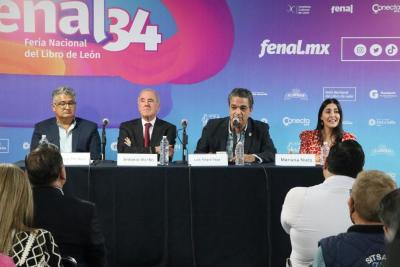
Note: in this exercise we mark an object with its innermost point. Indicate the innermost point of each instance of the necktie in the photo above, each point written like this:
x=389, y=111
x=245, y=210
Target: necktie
x=147, y=134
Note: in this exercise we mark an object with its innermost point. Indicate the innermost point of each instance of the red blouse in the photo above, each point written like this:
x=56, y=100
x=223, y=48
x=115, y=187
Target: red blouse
x=310, y=142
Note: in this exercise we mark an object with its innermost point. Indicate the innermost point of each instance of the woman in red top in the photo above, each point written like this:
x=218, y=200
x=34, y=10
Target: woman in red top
x=329, y=129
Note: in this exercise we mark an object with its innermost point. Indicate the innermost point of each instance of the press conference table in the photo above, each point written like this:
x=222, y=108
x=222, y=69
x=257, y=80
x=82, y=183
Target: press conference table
x=191, y=216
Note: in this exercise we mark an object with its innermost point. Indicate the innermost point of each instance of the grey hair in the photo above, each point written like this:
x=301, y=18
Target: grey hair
x=63, y=90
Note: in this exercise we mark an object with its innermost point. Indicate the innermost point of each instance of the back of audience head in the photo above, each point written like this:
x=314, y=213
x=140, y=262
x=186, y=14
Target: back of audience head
x=345, y=158
x=44, y=165
x=389, y=213
x=367, y=192
x=16, y=204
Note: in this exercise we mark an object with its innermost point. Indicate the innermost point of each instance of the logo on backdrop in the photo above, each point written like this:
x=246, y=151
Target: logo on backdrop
x=298, y=48
x=114, y=146
x=381, y=122
x=342, y=9
x=4, y=145
x=301, y=121
x=26, y=145
x=382, y=150
x=340, y=93
x=392, y=8
x=295, y=94
x=375, y=94
x=207, y=117
x=293, y=147
x=347, y=122
x=299, y=9
x=259, y=93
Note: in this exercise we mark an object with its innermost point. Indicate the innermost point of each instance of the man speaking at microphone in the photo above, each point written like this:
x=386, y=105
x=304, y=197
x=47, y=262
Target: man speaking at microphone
x=223, y=134
x=144, y=135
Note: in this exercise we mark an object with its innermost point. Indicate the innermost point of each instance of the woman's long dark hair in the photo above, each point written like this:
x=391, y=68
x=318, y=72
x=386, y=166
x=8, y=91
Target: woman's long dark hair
x=338, y=130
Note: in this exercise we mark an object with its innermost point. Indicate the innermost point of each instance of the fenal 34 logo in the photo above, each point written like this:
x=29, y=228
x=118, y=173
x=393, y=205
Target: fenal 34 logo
x=298, y=48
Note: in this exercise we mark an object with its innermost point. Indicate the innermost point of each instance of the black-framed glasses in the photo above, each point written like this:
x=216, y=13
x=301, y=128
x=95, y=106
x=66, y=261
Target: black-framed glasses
x=63, y=104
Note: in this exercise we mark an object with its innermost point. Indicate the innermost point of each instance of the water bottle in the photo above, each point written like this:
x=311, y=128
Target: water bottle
x=324, y=152
x=239, y=153
x=164, y=151
x=43, y=140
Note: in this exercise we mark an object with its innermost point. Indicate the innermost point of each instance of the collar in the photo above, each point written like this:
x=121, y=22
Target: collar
x=72, y=126
x=229, y=127
x=367, y=228
x=153, y=121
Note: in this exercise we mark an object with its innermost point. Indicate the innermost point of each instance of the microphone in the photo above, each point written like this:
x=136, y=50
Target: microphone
x=184, y=123
x=235, y=122
x=104, y=138
x=106, y=121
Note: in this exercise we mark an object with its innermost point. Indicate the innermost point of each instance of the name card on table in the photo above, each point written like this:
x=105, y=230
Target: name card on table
x=294, y=159
x=219, y=159
x=76, y=158
x=128, y=159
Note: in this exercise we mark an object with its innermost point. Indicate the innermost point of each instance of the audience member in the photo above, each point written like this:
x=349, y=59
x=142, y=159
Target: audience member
x=72, y=221
x=389, y=213
x=69, y=133
x=311, y=213
x=144, y=135
x=329, y=129
x=363, y=244
x=26, y=245
x=223, y=134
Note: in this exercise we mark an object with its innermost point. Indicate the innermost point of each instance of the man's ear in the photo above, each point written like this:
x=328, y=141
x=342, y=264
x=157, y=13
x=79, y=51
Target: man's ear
x=350, y=203
x=63, y=174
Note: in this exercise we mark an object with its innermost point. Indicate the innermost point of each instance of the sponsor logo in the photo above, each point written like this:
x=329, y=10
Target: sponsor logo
x=299, y=48
x=393, y=8
x=296, y=94
x=259, y=93
x=342, y=9
x=347, y=123
x=375, y=94
x=302, y=121
x=299, y=9
x=4, y=145
x=340, y=93
x=207, y=117
x=26, y=146
x=381, y=122
x=113, y=146
x=382, y=150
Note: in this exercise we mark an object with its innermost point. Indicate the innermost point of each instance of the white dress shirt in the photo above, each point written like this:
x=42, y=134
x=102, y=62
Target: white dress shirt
x=312, y=213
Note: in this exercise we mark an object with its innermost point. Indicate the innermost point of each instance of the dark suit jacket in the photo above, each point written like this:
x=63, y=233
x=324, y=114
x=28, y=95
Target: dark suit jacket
x=73, y=223
x=133, y=129
x=257, y=140
x=85, y=137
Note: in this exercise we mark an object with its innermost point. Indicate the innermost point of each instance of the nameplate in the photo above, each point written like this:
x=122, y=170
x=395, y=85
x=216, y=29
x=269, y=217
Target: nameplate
x=76, y=158
x=220, y=159
x=124, y=159
x=294, y=159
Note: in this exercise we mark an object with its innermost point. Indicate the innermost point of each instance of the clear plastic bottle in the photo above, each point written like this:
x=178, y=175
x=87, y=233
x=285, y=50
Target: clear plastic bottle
x=239, y=153
x=324, y=152
x=164, y=151
x=43, y=140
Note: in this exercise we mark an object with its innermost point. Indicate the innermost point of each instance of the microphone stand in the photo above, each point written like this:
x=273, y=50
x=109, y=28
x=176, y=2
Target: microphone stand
x=103, y=142
x=184, y=143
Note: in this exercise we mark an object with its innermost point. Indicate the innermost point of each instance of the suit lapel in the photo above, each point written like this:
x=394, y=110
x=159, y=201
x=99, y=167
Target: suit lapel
x=138, y=132
x=157, y=133
x=248, y=136
x=75, y=135
x=222, y=135
x=54, y=133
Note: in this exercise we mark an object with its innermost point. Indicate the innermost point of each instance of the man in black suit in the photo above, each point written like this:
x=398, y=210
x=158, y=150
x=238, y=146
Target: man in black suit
x=72, y=221
x=132, y=134
x=222, y=134
x=69, y=133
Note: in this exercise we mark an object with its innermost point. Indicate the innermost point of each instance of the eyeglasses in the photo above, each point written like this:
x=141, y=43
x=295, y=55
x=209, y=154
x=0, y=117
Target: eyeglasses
x=63, y=104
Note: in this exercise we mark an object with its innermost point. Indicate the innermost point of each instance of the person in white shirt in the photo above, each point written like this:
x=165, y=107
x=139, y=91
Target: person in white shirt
x=311, y=213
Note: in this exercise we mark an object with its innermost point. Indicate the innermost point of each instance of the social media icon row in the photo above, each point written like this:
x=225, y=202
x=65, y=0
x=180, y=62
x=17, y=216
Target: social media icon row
x=376, y=50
